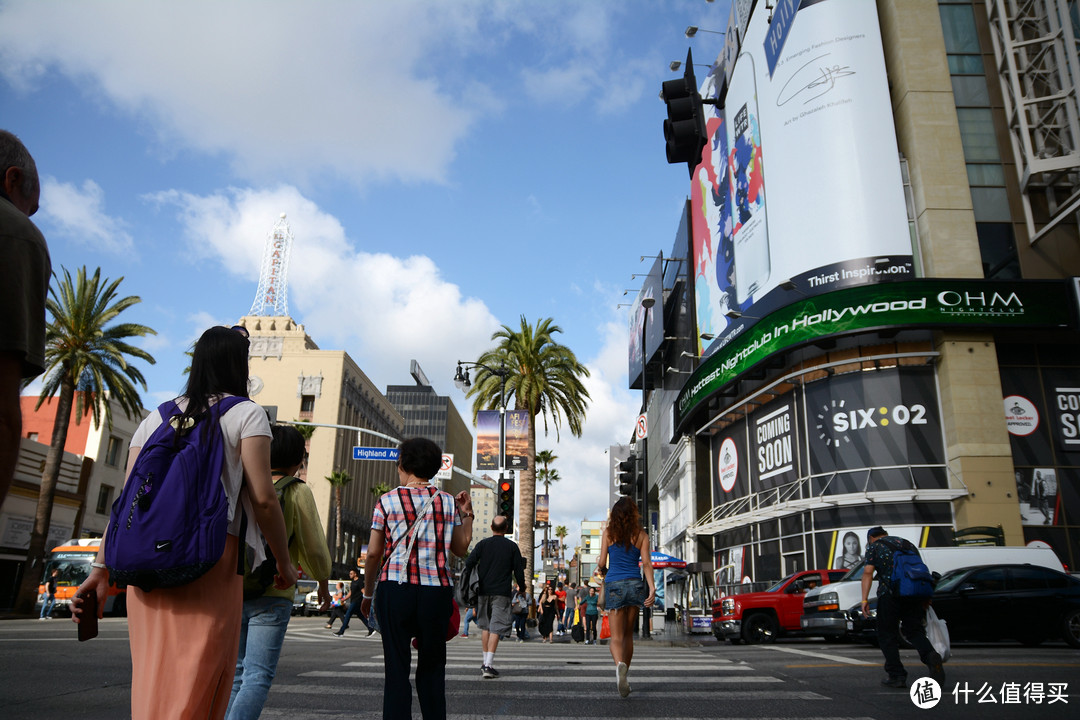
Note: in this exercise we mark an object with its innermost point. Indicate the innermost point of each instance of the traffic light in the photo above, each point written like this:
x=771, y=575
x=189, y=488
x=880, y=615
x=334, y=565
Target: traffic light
x=626, y=476
x=504, y=498
x=684, y=128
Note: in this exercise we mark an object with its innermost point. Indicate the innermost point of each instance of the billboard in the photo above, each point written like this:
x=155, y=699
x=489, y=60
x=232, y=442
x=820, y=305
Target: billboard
x=885, y=419
x=783, y=208
x=653, y=335
x=488, y=438
x=541, y=506
x=517, y=439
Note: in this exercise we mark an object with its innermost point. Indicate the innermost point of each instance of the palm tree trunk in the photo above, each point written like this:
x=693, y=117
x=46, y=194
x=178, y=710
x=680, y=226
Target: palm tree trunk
x=35, y=556
x=527, y=506
x=337, y=523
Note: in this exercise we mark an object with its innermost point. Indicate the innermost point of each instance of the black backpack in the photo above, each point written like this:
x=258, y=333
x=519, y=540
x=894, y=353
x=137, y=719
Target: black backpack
x=258, y=579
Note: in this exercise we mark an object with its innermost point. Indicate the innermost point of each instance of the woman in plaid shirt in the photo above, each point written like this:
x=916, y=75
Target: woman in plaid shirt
x=415, y=592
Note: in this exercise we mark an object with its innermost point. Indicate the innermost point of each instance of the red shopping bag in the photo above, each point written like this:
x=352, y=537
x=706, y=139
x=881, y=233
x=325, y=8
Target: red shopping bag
x=605, y=629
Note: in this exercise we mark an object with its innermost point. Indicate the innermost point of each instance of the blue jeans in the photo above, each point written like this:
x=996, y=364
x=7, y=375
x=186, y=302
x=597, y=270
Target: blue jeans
x=470, y=617
x=262, y=632
x=354, y=609
x=47, y=606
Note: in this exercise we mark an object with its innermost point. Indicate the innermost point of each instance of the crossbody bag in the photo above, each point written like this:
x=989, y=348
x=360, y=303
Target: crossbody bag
x=373, y=622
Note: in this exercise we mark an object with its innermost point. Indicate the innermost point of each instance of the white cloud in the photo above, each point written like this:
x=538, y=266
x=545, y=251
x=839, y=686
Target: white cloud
x=367, y=91
x=78, y=213
x=383, y=310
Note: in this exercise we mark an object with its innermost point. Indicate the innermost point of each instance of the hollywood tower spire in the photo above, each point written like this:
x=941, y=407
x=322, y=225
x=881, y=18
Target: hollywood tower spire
x=272, y=296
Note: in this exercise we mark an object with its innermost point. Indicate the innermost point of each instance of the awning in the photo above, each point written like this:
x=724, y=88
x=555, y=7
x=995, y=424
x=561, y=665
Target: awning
x=663, y=560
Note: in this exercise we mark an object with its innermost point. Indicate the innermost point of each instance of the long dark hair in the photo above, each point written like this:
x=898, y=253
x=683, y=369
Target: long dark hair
x=219, y=365
x=624, y=523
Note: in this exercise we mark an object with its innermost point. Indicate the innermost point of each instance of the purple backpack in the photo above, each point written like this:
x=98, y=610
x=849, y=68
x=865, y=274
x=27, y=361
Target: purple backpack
x=168, y=525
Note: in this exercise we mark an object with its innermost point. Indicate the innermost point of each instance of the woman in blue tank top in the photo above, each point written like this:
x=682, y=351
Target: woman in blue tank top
x=624, y=545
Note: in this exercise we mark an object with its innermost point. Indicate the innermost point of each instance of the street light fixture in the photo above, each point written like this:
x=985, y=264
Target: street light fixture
x=675, y=65
x=693, y=30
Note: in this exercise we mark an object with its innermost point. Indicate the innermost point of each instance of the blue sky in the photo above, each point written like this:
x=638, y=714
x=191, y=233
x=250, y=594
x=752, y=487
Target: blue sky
x=446, y=167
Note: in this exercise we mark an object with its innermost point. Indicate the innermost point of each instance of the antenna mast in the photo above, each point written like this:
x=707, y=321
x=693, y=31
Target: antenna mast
x=272, y=296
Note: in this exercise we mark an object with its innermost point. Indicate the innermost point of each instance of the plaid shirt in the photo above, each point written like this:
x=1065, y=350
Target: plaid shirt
x=429, y=562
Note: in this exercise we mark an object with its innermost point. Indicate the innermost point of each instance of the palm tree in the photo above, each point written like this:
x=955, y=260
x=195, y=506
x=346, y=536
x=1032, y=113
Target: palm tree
x=83, y=353
x=549, y=477
x=545, y=458
x=338, y=479
x=544, y=378
x=380, y=489
x=306, y=431
x=561, y=532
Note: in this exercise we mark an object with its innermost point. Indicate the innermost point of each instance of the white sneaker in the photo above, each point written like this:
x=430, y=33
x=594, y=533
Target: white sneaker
x=620, y=675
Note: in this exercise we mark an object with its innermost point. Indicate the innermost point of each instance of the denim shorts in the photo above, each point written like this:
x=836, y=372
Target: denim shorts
x=625, y=593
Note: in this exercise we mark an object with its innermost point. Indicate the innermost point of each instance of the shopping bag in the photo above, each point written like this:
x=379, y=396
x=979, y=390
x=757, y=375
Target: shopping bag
x=605, y=629
x=938, y=633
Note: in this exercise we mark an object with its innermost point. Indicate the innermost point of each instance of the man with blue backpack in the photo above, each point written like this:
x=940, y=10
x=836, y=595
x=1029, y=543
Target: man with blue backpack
x=905, y=587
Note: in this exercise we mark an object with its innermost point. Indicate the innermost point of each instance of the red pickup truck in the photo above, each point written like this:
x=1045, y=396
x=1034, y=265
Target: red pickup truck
x=761, y=617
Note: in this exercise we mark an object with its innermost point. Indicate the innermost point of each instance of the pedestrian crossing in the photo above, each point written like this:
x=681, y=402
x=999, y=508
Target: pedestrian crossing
x=538, y=680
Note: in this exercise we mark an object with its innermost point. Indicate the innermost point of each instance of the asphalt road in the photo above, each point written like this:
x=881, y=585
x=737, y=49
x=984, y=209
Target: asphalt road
x=45, y=672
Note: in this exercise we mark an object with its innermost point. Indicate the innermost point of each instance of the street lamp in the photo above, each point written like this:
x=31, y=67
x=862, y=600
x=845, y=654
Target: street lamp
x=693, y=30
x=646, y=303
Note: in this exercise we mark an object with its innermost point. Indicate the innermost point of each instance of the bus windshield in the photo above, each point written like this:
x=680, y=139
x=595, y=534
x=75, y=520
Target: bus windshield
x=74, y=567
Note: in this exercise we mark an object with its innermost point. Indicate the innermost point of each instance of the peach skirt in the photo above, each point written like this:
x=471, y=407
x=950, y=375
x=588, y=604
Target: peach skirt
x=184, y=644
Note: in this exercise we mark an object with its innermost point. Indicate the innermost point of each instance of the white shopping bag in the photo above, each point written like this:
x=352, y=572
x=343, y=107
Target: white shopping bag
x=938, y=634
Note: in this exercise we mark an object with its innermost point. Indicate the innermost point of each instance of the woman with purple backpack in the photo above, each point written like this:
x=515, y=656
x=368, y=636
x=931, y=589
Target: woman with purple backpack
x=184, y=639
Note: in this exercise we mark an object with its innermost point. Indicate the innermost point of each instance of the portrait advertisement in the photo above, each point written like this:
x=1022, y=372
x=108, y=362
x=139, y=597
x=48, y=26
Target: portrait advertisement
x=1037, y=489
x=849, y=552
x=847, y=547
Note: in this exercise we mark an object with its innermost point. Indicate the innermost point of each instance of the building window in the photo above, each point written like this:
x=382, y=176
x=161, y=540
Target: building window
x=112, y=455
x=307, y=406
x=32, y=436
x=104, y=499
x=997, y=245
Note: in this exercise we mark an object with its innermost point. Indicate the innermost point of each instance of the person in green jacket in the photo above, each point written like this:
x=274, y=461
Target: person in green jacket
x=266, y=617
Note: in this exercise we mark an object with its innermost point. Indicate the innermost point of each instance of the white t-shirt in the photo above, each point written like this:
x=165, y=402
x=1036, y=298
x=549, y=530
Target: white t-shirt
x=243, y=420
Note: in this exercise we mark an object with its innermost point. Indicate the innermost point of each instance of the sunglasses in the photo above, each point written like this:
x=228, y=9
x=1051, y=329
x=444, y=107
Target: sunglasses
x=242, y=330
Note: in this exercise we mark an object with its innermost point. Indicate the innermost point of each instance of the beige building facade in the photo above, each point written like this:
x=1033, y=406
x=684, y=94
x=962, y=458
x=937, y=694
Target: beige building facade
x=295, y=380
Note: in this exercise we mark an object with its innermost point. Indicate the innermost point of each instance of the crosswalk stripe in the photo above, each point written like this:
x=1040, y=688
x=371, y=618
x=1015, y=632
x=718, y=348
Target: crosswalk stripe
x=592, y=679
x=826, y=656
x=523, y=664
x=520, y=693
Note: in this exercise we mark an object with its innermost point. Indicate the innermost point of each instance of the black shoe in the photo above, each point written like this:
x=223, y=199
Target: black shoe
x=370, y=631
x=895, y=681
x=937, y=668
x=340, y=633
x=489, y=672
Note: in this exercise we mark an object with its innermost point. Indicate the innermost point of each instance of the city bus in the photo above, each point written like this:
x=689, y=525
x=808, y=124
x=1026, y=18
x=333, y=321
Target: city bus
x=73, y=559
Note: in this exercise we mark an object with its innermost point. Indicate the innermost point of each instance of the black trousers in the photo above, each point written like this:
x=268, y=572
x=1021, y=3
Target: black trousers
x=892, y=615
x=405, y=612
x=590, y=627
